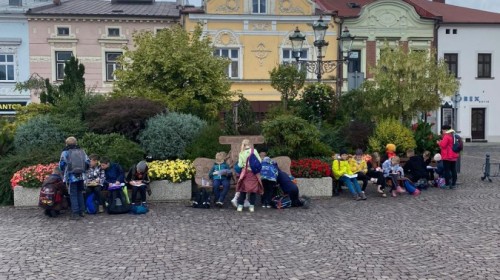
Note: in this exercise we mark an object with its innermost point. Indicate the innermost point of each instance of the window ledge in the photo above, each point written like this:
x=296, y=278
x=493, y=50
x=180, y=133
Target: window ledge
x=485, y=78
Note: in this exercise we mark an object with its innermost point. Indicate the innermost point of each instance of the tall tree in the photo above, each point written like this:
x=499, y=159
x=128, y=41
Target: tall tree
x=178, y=68
x=288, y=80
x=74, y=82
x=406, y=83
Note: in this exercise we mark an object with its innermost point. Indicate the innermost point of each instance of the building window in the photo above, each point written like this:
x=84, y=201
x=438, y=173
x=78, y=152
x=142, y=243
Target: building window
x=63, y=31
x=61, y=58
x=354, y=62
x=454, y=31
x=289, y=57
x=113, y=32
x=232, y=70
x=112, y=64
x=452, y=60
x=6, y=67
x=259, y=6
x=484, y=65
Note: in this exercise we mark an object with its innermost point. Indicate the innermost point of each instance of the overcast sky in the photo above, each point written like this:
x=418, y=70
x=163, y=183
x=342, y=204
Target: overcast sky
x=487, y=5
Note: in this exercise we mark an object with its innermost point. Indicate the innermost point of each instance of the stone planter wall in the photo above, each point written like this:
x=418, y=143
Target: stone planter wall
x=26, y=197
x=315, y=187
x=166, y=191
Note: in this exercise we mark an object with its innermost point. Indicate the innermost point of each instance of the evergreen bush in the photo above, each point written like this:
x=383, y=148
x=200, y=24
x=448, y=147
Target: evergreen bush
x=206, y=144
x=123, y=115
x=294, y=137
x=115, y=146
x=391, y=131
x=166, y=136
x=40, y=131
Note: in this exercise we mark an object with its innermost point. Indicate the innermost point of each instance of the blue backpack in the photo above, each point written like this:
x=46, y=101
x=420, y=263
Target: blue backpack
x=254, y=163
x=458, y=143
x=139, y=209
x=91, y=204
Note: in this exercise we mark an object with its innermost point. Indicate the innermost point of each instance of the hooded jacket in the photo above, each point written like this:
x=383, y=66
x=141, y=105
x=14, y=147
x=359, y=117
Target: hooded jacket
x=446, y=145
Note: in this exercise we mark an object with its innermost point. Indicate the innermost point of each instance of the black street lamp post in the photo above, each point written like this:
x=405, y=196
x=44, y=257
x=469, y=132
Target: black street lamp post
x=320, y=66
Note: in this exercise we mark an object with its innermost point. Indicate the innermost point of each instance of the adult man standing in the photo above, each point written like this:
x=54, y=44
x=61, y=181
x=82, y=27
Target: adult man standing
x=448, y=156
x=74, y=162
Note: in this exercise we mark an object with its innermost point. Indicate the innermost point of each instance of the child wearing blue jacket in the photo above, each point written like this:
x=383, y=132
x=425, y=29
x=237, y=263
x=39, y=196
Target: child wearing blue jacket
x=220, y=173
x=268, y=175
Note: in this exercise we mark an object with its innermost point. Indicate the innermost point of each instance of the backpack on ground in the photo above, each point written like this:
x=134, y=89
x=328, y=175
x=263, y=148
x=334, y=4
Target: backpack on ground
x=91, y=204
x=48, y=196
x=51, y=194
x=117, y=203
x=139, y=209
x=202, y=199
x=458, y=143
x=422, y=184
x=254, y=163
x=281, y=200
x=76, y=161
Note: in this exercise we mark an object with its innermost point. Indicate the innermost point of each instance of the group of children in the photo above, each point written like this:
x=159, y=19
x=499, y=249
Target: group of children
x=100, y=179
x=267, y=181
x=416, y=173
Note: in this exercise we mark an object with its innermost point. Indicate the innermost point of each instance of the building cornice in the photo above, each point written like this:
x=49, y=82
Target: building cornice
x=253, y=17
x=102, y=19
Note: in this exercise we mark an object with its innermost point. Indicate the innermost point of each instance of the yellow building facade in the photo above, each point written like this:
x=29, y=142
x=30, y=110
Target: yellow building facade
x=254, y=35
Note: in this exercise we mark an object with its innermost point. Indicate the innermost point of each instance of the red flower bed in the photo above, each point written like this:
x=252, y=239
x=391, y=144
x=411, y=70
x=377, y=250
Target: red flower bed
x=310, y=168
x=32, y=176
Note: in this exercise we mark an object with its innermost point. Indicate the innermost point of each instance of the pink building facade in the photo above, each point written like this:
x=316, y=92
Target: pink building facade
x=96, y=35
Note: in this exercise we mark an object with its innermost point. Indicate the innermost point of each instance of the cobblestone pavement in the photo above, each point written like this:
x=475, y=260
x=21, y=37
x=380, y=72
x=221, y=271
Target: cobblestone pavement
x=442, y=234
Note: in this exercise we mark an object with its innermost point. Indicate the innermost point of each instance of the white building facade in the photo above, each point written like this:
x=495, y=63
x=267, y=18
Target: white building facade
x=472, y=51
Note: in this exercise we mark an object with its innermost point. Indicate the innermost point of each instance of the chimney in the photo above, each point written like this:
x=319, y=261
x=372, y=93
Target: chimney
x=440, y=1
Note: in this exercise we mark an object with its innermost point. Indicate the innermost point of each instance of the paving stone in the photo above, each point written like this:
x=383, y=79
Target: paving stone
x=442, y=234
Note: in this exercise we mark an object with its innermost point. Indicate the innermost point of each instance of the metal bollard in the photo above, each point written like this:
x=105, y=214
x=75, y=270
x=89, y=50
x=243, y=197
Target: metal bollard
x=486, y=169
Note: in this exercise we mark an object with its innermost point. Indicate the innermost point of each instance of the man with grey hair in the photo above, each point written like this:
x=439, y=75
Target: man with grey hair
x=74, y=163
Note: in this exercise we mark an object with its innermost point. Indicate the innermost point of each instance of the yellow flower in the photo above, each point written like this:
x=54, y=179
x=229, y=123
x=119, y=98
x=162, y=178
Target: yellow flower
x=173, y=170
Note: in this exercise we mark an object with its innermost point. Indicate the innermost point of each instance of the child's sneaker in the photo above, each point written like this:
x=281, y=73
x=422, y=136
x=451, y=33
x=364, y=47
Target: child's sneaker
x=416, y=192
x=246, y=204
x=379, y=189
x=240, y=208
x=362, y=195
x=394, y=193
x=234, y=202
x=251, y=208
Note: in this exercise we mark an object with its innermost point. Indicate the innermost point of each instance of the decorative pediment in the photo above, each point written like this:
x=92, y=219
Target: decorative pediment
x=226, y=38
x=287, y=7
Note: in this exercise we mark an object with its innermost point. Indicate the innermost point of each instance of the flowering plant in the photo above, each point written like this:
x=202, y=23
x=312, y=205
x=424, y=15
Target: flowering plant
x=175, y=171
x=32, y=176
x=310, y=168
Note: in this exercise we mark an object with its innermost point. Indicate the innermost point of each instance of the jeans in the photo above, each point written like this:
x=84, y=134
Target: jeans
x=220, y=196
x=352, y=184
x=243, y=196
x=450, y=172
x=76, y=197
x=142, y=191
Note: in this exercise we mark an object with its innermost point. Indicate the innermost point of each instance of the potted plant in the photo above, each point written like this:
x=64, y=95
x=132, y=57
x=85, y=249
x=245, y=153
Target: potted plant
x=313, y=177
x=27, y=182
x=170, y=179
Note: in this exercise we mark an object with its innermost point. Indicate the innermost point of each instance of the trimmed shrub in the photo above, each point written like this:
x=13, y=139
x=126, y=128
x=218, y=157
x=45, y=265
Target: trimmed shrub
x=6, y=137
x=124, y=115
x=206, y=144
x=40, y=131
x=318, y=102
x=294, y=137
x=332, y=136
x=115, y=146
x=166, y=136
x=391, y=131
